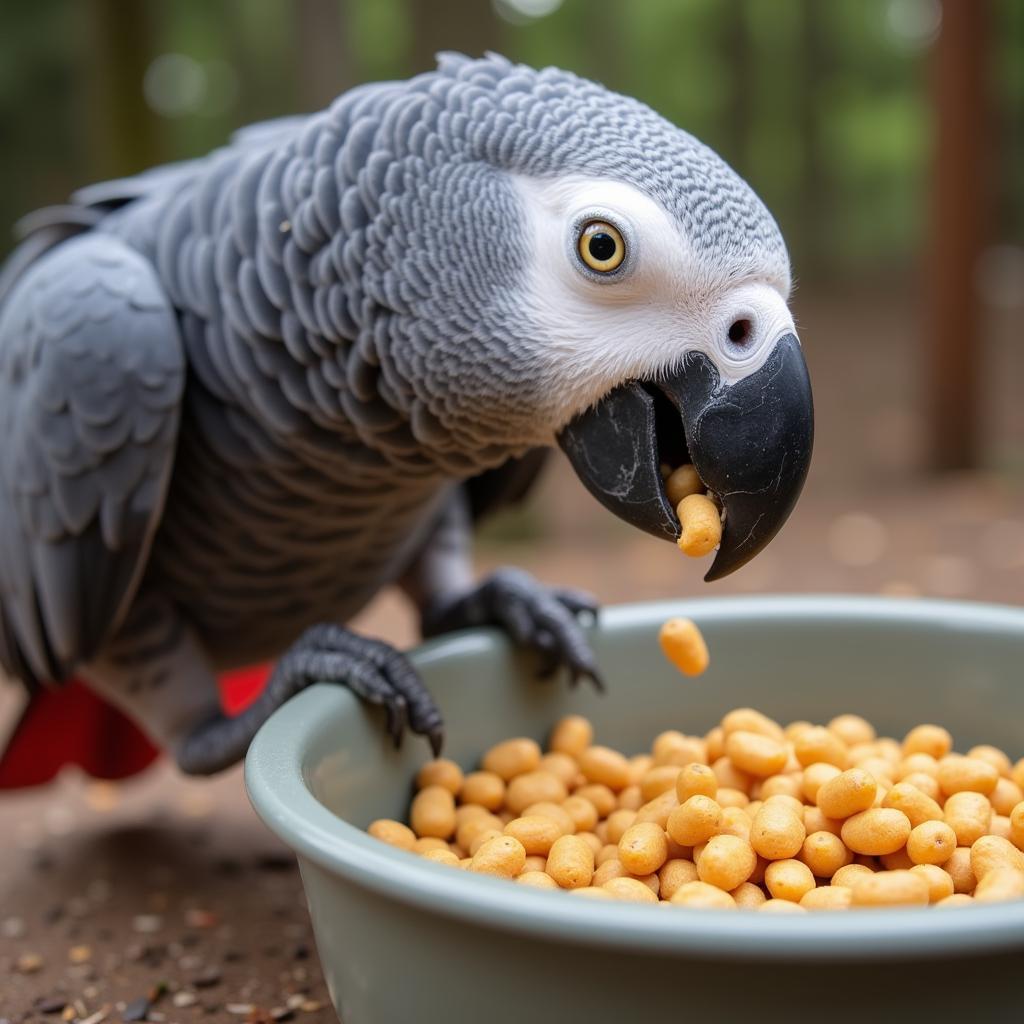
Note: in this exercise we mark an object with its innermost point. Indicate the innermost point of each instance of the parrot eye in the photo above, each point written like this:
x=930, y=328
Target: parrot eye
x=601, y=247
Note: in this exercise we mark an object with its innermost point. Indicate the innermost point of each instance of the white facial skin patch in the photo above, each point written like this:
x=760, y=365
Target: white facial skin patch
x=665, y=300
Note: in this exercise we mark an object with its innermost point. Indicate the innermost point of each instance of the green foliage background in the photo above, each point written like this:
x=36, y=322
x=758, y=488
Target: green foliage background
x=817, y=102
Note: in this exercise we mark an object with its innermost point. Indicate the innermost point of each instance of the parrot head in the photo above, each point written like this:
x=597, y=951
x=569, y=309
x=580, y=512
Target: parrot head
x=579, y=271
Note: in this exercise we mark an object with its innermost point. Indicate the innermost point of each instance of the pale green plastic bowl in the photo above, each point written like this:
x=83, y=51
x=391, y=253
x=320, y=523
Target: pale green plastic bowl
x=403, y=940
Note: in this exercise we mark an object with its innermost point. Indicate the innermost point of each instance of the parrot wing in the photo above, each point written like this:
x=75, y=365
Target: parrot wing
x=91, y=377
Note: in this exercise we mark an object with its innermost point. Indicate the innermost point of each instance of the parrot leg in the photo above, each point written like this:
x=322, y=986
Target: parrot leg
x=536, y=616
x=372, y=669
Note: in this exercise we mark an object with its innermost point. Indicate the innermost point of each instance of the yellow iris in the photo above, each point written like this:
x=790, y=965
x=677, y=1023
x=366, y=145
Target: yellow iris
x=601, y=247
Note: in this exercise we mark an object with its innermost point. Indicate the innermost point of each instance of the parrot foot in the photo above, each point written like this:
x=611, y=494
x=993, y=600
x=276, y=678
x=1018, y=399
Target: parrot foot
x=542, y=618
x=328, y=653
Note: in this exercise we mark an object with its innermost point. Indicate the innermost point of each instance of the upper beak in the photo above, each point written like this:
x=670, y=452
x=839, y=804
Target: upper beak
x=750, y=442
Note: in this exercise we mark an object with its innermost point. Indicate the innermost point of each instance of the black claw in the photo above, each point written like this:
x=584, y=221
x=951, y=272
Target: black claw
x=436, y=738
x=398, y=717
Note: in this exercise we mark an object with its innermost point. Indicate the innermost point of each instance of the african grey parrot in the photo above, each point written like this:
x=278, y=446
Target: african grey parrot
x=241, y=394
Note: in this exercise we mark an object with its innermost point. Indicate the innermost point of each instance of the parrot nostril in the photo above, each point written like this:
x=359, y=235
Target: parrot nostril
x=740, y=331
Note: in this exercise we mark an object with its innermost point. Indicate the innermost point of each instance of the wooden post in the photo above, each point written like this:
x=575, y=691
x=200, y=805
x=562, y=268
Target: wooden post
x=959, y=218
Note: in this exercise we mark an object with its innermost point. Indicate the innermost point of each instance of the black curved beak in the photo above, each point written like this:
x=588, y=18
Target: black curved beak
x=750, y=442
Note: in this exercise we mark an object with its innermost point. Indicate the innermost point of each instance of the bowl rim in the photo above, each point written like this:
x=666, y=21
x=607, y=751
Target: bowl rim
x=276, y=780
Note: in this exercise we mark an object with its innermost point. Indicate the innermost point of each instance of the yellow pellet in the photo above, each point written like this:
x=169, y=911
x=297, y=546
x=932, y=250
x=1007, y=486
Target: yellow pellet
x=629, y=890
x=824, y=853
x=735, y=822
x=751, y=720
x=815, y=821
x=898, y=860
x=700, y=894
x=959, y=868
x=512, y=758
x=917, y=806
x=675, y=873
x=846, y=874
x=852, y=729
x=748, y=896
x=445, y=857
x=643, y=848
x=991, y=852
x=683, y=482
x=607, y=871
x=889, y=888
x=631, y=798
x=726, y=861
x=536, y=880
x=483, y=837
x=658, y=780
x=701, y=524
x=995, y=757
x=695, y=780
x=535, y=832
x=534, y=787
x=471, y=828
x=427, y=843
x=605, y=766
x=593, y=840
x=877, y=831
x=928, y=739
x=592, y=892
x=658, y=809
x=617, y=823
x=714, y=744
x=1006, y=795
x=788, y=879
x=917, y=762
x=969, y=815
x=1017, y=772
x=927, y=784
x=931, y=842
x=433, y=812
x=1000, y=826
x=729, y=797
x=562, y=766
x=534, y=862
x=781, y=785
x=682, y=643
x=756, y=754
x=774, y=906
x=582, y=812
x=600, y=796
x=1000, y=884
x=440, y=772
x=694, y=821
x=571, y=862
x=503, y=856
x=848, y=793
x=394, y=833
x=1017, y=826
x=672, y=747
x=777, y=833
x=958, y=899
x=940, y=885
x=818, y=745
x=484, y=788
x=827, y=897
x=572, y=735
x=966, y=774
x=549, y=809
x=815, y=776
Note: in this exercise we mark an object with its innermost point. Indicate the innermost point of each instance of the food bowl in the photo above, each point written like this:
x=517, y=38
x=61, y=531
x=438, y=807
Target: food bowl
x=404, y=940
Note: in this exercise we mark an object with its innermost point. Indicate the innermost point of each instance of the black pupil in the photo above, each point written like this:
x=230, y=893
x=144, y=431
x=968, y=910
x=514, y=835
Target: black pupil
x=602, y=246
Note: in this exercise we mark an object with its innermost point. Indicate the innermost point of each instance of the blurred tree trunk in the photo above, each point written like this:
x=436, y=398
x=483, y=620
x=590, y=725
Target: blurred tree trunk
x=959, y=221
x=468, y=26
x=739, y=59
x=812, y=68
x=124, y=134
x=324, y=63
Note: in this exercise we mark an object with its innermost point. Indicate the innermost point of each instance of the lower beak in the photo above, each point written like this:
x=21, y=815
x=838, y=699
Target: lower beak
x=750, y=443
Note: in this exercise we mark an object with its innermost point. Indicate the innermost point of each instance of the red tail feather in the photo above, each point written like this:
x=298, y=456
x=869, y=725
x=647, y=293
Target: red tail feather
x=71, y=725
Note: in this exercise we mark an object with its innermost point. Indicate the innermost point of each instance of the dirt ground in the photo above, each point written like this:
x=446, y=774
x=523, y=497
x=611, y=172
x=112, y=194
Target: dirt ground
x=171, y=892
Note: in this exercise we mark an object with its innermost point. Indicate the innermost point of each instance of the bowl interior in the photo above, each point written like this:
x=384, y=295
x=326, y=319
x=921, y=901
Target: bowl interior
x=896, y=663
x=322, y=769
